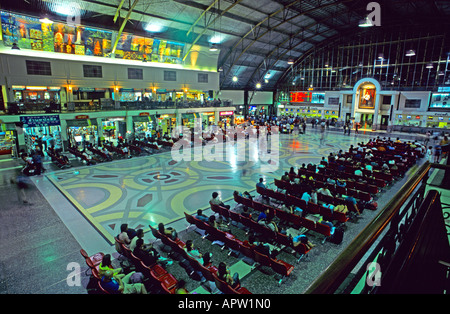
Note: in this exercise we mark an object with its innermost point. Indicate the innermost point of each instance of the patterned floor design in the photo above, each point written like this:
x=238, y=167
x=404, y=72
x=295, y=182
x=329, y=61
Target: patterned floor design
x=148, y=190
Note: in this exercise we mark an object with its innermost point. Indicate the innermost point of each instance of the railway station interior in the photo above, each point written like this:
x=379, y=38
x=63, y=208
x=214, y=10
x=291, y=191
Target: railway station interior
x=224, y=147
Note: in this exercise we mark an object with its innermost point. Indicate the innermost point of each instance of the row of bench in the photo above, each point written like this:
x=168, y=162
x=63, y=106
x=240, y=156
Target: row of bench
x=234, y=244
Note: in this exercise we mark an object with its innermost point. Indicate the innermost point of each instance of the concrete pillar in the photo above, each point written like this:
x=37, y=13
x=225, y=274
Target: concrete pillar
x=376, y=114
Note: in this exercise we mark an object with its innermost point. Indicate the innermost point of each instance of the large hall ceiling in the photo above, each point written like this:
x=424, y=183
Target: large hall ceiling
x=255, y=37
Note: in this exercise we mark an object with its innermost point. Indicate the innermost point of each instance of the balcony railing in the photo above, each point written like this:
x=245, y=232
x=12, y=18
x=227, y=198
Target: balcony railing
x=108, y=105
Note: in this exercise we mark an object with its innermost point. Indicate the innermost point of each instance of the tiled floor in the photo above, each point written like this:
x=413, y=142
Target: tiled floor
x=83, y=207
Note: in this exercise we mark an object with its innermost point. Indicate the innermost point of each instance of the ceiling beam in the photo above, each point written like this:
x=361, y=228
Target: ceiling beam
x=118, y=11
x=207, y=26
x=119, y=33
x=279, y=24
x=201, y=15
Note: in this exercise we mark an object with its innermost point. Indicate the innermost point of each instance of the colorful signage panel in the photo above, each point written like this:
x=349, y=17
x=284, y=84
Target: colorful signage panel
x=30, y=33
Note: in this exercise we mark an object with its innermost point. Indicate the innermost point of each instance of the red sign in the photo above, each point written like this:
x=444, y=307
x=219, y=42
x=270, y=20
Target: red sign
x=300, y=97
x=144, y=114
x=82, y=117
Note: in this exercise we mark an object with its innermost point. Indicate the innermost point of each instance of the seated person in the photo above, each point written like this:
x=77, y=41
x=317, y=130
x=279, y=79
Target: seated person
x=324, y=191
x=285, y=177
x=189, y=248
x=219, y=225
x=306, y=197
x=269, y=223
x=342, y=208
x=149, y=256
x=350, y=201
x=328, y=223
x=301, y=238
x=286, y=208
x=261, y=183
x=121, y=284
x=170, y=232
x=180, y=287
x=201, y=216
x=126, y=234
x=223, y=273
x=263, y=215
x=106, y=265
x=246, y=212
x=341, y=183
x=217, y=201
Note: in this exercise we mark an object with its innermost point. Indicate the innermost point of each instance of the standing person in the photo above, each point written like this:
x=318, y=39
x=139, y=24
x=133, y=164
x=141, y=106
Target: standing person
x=437, y=153
x=356, y=128
x=429, y=154
x=304, y=127
x=345, y=128
x=22, y=185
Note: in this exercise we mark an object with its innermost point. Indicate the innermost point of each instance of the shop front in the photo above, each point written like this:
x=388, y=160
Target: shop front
x=36, y=98
x=226, y=118
x=113, y=128
x=166, y=122
x=36, y=94
x=38, y=128
x=304, y=112
x=82, y=130
x=409, y=120
x=208, y=118
x=8, y=139
x=438, y=120
x=188, y=119
x=144, y=124
x=85, y=94
x=131, y=94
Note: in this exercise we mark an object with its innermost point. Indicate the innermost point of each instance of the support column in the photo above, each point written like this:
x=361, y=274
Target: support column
x=376, y=113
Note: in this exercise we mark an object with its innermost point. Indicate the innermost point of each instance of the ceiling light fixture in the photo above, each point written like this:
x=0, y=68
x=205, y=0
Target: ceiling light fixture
x=365, y=22
x=410, y=53
x=429, y=66
x=213, y=47
x=290, y=61
x=235, y=78
x=258, y=85
x=46, y=20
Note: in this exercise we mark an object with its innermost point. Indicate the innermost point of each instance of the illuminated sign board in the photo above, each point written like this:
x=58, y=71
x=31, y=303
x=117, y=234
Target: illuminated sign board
x=300, y=97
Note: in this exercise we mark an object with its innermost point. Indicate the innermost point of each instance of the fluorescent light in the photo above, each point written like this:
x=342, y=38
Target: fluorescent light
x=290, y=61
x=410, y=53
x=429, y=66
x=213, y=47
x=154, y=28
x=365, y=23
x=46, y=21
x=216, y=39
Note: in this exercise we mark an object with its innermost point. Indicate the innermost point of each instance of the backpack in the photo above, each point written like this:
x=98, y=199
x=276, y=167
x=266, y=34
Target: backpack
x=372, y=205
x=337, y=236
